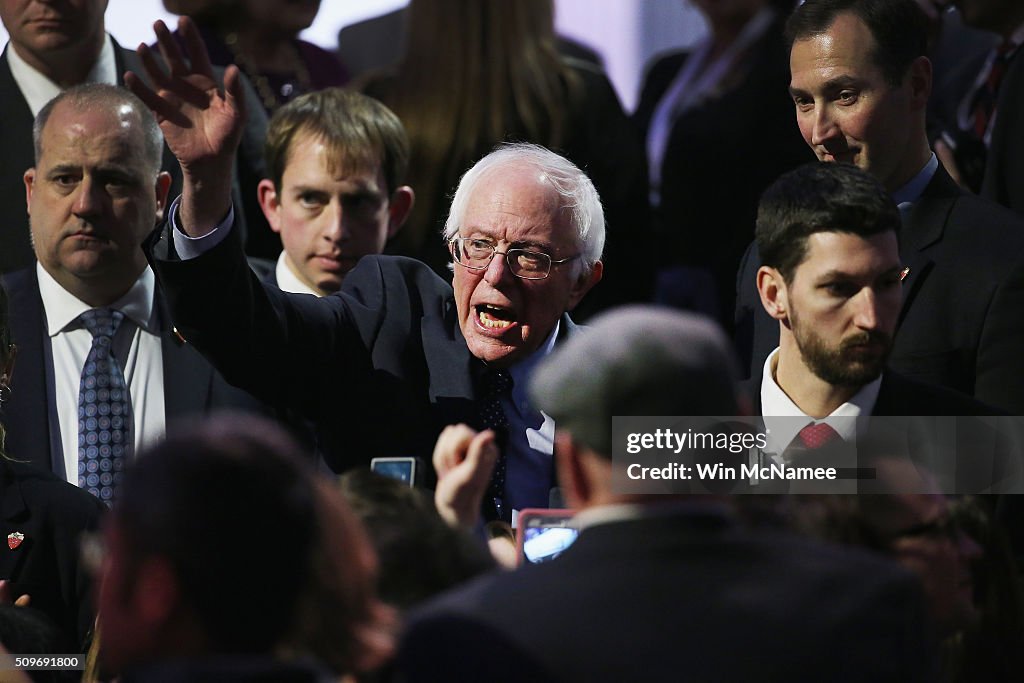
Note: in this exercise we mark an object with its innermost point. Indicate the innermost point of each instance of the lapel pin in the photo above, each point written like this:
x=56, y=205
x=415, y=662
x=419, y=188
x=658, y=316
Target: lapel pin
x=14, y=539
x=904, y=273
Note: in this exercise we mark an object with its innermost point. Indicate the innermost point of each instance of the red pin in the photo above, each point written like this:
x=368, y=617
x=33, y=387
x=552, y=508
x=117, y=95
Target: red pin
x=14, y=539
x=904, y=273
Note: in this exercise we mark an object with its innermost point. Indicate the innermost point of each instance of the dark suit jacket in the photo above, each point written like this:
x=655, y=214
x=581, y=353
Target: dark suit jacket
x=719, y=158
x=191, y=385
x=19, y=155
x=961, y=324
x=52, y=515
x=688, y=597
x=381, y=367
x=1004, y=166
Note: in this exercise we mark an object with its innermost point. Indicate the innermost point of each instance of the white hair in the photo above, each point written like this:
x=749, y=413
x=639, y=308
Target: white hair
x=577, y=191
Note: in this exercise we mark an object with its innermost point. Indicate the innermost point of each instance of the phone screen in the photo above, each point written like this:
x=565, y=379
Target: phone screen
x=401, y=469
x=542, y=544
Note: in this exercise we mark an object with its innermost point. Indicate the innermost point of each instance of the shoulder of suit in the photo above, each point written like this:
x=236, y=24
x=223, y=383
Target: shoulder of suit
x=66, y=501
x=918, y=398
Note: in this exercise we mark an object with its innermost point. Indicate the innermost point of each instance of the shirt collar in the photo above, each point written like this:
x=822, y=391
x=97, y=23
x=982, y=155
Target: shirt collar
x=775, y=403
x=911, y=192
x=287, y=281
x=522, y=370
x=38, y=89
x=62, y=308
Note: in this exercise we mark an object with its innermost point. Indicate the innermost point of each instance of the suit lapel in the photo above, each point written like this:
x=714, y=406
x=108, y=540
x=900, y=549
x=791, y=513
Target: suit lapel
x=28, y=413
x=923, y=227
x=187, y=376
x=448, y=366
x=13, y=512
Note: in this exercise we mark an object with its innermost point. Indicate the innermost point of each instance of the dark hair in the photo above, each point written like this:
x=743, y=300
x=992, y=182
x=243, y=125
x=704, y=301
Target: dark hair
x=231, y=507
x=359, y=132
x=819, y=197
x=407, y=531
x=899, y=27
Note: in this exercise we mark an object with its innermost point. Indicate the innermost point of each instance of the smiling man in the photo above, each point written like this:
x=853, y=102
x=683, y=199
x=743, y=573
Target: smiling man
x=860, y=83
x=337, y=161
x=383, y=366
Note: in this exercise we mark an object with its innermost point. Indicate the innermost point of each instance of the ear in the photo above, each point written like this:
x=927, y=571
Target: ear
x=30, y=179
x=399, y=207
x=771, y=286
x=584, y=284
x=266, y=193
x=161, y=188
x=919, y=78
x=571, y=473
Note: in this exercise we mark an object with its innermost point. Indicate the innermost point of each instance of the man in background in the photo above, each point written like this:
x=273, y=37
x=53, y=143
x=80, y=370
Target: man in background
x=337, y=161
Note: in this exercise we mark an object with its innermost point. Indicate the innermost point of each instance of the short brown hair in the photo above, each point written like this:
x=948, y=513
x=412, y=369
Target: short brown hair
x=359, y=130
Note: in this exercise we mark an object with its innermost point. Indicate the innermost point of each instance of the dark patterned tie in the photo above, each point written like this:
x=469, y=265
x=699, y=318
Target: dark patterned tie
x=984, y=104
x=104, y=412
x=494, y=385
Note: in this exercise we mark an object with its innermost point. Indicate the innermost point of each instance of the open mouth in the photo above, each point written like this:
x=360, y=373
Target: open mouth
x=494, y=317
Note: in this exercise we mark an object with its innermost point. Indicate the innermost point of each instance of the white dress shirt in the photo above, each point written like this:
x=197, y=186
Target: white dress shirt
x=775, y=403
x=38, y=89
x=137, y=347
x=287, y=281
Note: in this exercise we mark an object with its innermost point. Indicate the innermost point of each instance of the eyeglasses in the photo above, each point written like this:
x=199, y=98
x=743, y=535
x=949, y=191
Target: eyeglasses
x=476, y=254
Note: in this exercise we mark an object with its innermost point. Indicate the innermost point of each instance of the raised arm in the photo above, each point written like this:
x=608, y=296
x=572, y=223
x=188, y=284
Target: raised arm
x=202, y=123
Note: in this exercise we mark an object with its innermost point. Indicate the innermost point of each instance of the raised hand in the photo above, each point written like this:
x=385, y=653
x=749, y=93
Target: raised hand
x=201, y=123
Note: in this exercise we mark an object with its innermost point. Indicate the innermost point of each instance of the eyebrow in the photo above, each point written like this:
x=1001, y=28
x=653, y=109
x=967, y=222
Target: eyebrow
x=107, y=169
x=836, y=274
x=831, y=85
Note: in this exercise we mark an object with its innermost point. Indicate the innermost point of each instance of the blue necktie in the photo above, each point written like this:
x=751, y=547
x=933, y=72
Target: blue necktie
x=104, y=412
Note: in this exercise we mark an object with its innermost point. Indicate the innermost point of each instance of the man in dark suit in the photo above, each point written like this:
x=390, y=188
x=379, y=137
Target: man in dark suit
x=661, y=587
x=335, y=192
x=831, y=279
x=397, y=355
x=57, y=45
x=95, y=192
x=963, y=286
